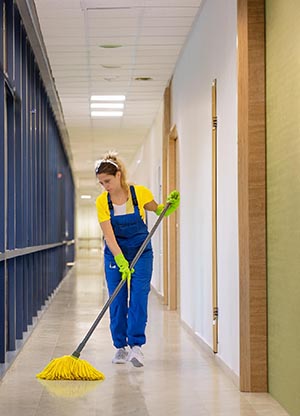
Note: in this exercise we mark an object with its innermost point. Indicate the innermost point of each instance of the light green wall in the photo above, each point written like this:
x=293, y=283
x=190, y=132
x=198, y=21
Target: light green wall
x=283, y=199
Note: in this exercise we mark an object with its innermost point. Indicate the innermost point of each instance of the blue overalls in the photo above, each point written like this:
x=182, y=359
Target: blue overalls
x=127, y=324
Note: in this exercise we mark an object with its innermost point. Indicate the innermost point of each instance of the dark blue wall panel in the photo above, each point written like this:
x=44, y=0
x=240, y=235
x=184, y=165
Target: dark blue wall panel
x=36, y=187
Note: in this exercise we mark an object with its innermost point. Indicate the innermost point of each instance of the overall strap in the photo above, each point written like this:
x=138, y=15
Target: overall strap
x=133, y=196
x=110, y=204
x=134, y=200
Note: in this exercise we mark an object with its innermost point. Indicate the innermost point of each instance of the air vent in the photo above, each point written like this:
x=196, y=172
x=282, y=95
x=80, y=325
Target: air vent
x=143, y=79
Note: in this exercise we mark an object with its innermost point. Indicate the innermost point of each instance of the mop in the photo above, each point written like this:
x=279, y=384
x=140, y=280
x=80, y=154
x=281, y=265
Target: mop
x=71, y=367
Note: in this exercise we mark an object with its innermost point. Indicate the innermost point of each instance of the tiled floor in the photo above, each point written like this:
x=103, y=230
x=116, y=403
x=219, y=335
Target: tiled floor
x=178, y=378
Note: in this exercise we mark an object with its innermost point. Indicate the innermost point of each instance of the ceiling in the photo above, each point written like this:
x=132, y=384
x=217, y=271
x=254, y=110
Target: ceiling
x=150, y=35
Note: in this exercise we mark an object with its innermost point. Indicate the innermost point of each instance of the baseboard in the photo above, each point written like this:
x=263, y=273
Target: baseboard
x=228, y=371
x=207, y=349
x=158, y=294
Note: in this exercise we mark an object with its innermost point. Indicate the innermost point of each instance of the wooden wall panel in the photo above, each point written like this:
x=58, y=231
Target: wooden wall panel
x=252, y=195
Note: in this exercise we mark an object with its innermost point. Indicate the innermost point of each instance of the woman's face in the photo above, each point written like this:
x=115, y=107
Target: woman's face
x=110, y=183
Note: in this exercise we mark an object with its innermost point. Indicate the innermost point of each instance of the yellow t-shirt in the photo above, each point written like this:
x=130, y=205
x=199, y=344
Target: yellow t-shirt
x=143, y=196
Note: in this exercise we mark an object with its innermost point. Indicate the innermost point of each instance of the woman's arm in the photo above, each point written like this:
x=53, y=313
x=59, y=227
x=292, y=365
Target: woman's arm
x=151, y=206
x=110, y=238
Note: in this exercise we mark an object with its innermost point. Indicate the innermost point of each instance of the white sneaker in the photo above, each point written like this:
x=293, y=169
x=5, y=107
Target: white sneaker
x=120, y=356
x=136, y=356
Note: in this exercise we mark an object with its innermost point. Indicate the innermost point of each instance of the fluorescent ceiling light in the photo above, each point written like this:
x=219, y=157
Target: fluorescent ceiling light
x=85, y=196
x=106, y=113
x=108, y=98
x=107, y=105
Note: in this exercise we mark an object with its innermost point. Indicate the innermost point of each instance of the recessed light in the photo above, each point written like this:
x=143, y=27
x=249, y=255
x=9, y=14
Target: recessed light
x=110, y=46
x=111, y=78
x=107, y=105
x=85, y=196
x=106, y=113
x=111, y=66
x=108, y=98
x=143, y=79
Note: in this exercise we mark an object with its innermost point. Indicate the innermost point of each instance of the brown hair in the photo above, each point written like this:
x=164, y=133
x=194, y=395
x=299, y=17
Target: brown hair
x=111, y=164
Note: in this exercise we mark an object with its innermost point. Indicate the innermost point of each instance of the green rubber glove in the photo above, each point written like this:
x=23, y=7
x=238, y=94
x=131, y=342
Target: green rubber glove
x=123, y=265
x=174, y=200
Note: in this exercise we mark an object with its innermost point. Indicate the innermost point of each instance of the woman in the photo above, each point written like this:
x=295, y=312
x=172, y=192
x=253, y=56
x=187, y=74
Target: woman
x=121, y=213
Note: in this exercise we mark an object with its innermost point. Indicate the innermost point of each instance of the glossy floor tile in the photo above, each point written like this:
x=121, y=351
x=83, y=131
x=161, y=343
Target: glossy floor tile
x=179, y=378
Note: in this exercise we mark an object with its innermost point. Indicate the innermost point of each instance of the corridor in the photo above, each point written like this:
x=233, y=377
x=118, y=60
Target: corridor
x=179, y=377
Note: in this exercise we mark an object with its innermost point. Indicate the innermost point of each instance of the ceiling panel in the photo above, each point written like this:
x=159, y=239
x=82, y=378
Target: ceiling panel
x=171, y=3
x=107, y=23
x=117, y=31
x=174, y=11
x=151, y=34
x=112, y=4
x=165, y=31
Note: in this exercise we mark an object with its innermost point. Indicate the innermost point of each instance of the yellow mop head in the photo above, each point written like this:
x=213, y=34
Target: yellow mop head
x=69, y=367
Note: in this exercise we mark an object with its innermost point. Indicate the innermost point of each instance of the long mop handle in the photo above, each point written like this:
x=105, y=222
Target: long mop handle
x=80, y=347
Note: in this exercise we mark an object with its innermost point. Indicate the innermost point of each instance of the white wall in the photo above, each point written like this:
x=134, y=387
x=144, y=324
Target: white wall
x=146, y=170
x=209, y=53
x=87, y=224
x=88, y=232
